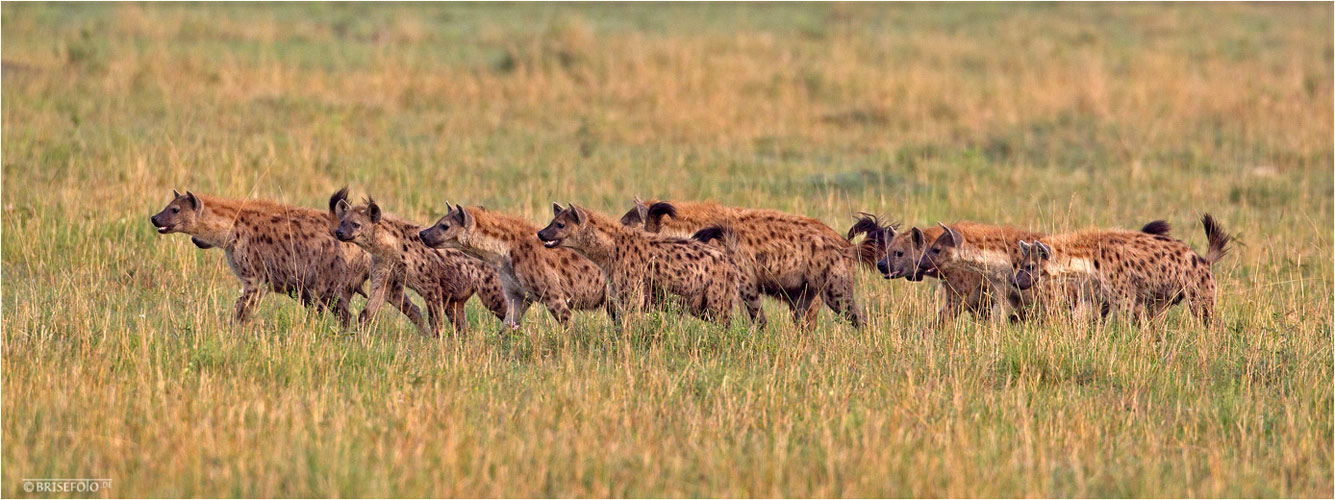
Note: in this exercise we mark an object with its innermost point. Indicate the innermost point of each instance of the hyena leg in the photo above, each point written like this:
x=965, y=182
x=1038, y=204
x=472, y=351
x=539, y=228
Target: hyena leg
x=341, y=308
x=750, y=296
x=251, y=294
x=805, y=303
x=435, y=311
x=454, y=309
x=838, y=295
x=515, y=307
x=558, y=307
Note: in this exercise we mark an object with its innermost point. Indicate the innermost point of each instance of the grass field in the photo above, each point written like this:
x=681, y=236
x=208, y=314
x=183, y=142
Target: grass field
x=119, y=360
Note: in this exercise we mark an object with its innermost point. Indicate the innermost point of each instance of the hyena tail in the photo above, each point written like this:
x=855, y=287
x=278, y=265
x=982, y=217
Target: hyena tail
x=873, y=247
x=656, y=212
x=724, y=234
x=1158, y=227
x=1219, y=239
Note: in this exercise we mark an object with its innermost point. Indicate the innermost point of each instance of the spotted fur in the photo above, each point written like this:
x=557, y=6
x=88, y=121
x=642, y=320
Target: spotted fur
x=1129, y=273
x=271, y=246
x=796, y=259
x=639, y=265
x=559, y=278
x=444, y=278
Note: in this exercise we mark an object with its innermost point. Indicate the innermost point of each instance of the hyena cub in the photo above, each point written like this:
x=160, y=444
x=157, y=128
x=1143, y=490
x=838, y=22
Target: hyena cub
x=1129, y=273
x=444, y=278
x=795, y=259
x=270, y=246
x=559, y=278
x=639, y=265
x=961, y=289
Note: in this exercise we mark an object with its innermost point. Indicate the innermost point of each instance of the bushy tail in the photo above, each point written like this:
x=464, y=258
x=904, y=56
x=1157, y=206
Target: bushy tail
x=873, y=247
x=338, y=196
x=724, y=234
x=1218, y=239
x=656, y=212
x=1158, y=227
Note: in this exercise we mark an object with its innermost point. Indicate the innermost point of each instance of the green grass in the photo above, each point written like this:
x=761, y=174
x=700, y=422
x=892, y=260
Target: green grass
x=119, y=361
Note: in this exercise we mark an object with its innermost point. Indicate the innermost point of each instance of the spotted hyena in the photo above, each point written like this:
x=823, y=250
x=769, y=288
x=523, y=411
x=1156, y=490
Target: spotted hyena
x=639, y=265
x=796, y=259
x=559, y=278
x=1140, y=274
x=444, y=278
x=962, y=290
x=271, y=246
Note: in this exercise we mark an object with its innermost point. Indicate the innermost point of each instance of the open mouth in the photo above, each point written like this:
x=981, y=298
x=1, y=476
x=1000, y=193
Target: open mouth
x=551, y=243
x=164, y=229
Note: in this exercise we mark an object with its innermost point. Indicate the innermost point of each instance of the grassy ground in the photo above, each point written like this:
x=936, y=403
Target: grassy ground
x=119, y=361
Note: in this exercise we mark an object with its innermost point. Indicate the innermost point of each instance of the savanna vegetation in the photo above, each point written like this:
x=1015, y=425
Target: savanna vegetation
x=120, y=362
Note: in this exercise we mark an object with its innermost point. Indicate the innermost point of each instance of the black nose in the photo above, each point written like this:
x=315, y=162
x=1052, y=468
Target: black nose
x=154, y=220
x=884, y=269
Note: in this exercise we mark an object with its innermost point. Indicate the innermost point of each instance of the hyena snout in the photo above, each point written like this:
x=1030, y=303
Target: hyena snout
x=883, y=267
x=1023, y=280
x=431, y=237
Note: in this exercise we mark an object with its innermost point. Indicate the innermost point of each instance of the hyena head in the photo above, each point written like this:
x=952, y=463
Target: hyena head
x=637, y=215
x=902, y=254
x=179, y=215
x=1030, y=269
x=567, y=229
x=451, y=231
x=356, y=224
x=940, y=253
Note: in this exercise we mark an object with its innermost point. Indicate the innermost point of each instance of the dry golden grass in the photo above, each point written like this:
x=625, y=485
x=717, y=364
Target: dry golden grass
x=119, y=361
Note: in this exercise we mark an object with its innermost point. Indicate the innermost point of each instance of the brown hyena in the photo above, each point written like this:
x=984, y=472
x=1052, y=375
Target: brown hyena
x=444, y=278
x=271, y=246
x=559, y=278
x=1129, y=273
x=639, y=265
x=796, y=259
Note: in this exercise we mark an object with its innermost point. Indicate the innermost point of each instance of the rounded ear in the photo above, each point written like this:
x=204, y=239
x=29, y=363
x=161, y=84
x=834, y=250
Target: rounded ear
x=465, y=218
x=579, y=214
x=1044, y=250
x=175, y=194
x=1024, y=248
x=373, y=211
x=642, y=210
x=341, y=208
x=917, y=237
x=955, y=238
x=194, y=201
x=556, y=208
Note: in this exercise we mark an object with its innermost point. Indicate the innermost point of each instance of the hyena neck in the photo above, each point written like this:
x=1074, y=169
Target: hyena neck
x=601, y=237
x=394, y=240
x=1071, y=254
x=990, y=262
x=692, y=217
x=216, y=225
x=494, y=243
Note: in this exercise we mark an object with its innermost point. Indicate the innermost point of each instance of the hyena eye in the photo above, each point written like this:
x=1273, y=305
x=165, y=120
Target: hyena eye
x=176, y=210
x=936, y=250
x=899, y=253
x=560, y=225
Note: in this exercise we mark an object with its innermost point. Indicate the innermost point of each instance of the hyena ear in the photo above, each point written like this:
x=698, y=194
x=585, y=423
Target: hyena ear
x=1024, y=248
x=556, y=208
x=917, y=237
x=953, y=238
x=341, y=208
x=642, y=210
x=373, y=211
x=175, y=194
x=579, y=213
x=465, y=218
x=194, y=201
x=1044, y=250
